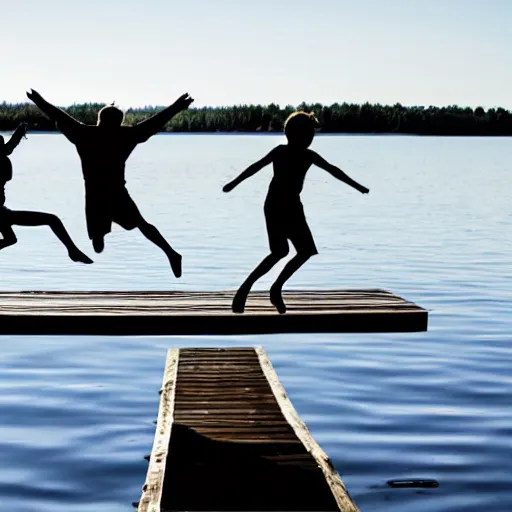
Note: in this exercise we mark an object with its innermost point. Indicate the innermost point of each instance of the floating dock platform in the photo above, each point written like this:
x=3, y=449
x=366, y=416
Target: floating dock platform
x=205, y=313
x=228, y=438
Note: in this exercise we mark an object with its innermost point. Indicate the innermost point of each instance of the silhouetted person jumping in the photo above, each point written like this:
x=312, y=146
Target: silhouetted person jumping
x=103, y=150
x=284, y=213
x=9, y=218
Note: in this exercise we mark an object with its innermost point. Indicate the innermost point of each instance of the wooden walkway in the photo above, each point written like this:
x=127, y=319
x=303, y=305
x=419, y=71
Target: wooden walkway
x=228, y=438
x=202, y=313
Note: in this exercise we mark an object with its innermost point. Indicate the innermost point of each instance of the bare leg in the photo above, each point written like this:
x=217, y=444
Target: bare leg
x=290, y=268
x=21, y=218
x=263, y=267
x=153, y=235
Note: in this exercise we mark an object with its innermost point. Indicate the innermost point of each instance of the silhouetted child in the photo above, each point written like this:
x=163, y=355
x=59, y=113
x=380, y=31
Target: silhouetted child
x=103, y=150
x=9, y=218
x=284, y=213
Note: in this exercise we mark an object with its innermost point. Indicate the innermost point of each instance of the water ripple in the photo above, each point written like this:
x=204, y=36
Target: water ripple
x=76, y=414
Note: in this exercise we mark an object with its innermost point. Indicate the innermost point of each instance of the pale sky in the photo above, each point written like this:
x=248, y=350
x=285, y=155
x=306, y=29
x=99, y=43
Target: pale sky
x=225, y=52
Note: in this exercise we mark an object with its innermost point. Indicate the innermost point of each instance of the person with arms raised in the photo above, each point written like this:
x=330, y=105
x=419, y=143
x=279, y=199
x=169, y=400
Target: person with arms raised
x=104, y=149
x=10, y=218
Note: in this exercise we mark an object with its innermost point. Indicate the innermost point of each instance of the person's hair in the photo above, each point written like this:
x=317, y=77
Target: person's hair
x=300, y=127
x=110, y=115
x=2, y=140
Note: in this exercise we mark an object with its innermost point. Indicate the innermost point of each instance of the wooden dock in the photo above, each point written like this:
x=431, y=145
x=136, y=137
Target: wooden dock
x=228, y=438
x=203, y=313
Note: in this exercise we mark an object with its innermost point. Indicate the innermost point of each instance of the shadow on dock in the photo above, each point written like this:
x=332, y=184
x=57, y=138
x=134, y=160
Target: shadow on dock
x=201, y=471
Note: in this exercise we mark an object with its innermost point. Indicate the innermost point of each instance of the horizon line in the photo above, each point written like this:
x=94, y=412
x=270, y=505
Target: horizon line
x=280, y=106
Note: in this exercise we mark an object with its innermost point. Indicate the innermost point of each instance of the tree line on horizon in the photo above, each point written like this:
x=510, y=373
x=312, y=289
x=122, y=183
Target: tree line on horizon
x=336, y=118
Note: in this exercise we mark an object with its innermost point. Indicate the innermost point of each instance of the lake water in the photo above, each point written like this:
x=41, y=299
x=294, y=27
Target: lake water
x=76, y=413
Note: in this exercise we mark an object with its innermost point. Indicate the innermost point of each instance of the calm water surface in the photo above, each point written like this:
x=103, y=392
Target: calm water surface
x=76, y=413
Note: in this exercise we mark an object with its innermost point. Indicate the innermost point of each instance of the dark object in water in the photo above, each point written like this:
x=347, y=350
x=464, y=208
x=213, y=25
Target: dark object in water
x=420, y=482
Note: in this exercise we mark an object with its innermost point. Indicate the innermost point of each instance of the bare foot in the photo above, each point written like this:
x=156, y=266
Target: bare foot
x=175, y=261
x=277, y=300
x=98, y=244
x=239, y=300
x=7, y=243
x=78, y=256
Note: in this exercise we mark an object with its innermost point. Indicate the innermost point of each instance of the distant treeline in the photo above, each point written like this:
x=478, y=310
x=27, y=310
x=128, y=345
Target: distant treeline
x=336, y=118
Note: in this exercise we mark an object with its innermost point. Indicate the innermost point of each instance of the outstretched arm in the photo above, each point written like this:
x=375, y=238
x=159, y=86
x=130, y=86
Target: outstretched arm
x=145, y=129
x=337, y=173
x=15, y=138
x=63, y=119
x=250, y=171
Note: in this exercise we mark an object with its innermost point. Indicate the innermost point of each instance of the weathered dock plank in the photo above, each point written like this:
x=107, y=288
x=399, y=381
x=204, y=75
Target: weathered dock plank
x=203, y=313
x=248, y=453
